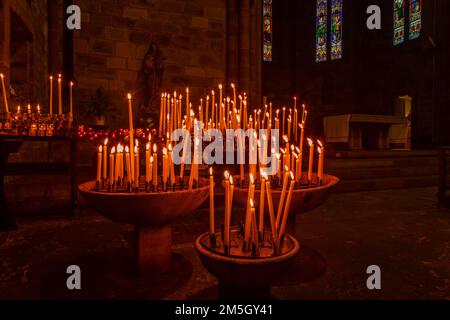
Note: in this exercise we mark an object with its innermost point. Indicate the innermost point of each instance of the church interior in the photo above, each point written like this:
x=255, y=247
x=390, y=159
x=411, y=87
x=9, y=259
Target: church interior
x=348, y=107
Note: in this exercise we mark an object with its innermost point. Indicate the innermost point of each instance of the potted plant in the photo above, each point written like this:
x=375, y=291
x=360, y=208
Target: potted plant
x=99, y=108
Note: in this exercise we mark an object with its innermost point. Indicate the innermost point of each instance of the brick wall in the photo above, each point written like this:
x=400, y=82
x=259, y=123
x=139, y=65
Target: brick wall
x=115, y=35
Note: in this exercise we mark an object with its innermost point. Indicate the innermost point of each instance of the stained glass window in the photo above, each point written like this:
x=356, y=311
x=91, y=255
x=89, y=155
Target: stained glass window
x=415, y=19
x=336, y=29
x=399, y=21
x=267, y=30
x=321, y=30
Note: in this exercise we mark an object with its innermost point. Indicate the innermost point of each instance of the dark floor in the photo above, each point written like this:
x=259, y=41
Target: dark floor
x=402, y=231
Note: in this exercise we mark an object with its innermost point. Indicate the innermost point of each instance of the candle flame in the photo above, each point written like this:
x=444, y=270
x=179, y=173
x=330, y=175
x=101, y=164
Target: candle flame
x=319, y=149
x=232, y=85
x=170, y=147
x=310, y=142
x=147, y=146
x=252, y=179
x=135, y=149
x=129, y=96
x=164, y=151
x=151, y=159
x=105, y=142
x=292, y=175
x=71, y=83
x=298, y=150
x=320, y=143
x=278, y=156
x=119, y=148
x=220, y=86
x=231, y=180
x=155, y=148
x=211, y=171
x=1, y=75
x=286, y=168
x=127, y=150
x=187, y=90
x=113, y=150
x=212, y=92
x=226, y=175
x=285, y=138
x=228, y=99
x=252, y=205
x=100, y=149
x=51, y=77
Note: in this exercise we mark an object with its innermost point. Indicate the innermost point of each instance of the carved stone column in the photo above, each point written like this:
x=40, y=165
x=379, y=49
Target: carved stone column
x=5, y=37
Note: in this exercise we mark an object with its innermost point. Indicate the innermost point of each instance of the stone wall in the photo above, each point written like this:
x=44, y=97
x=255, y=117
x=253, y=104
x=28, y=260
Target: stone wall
x=30, y=17
x=115, y=35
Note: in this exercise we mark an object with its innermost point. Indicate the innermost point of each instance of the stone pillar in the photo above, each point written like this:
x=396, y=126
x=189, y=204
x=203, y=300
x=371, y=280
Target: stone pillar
x=255, y=54
x=244, y=46
x=54, y=47
x=5, y=37
x=232, y=42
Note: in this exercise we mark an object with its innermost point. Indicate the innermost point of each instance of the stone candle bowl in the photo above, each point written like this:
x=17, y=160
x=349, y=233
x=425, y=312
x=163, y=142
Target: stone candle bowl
x=151, y=214
x=303, y=200
x=245, y=277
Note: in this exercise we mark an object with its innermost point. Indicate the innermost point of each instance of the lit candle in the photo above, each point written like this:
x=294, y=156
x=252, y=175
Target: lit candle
x=226, y=235
x=136, y=164
x=128, y=163
x=286, y=210
x=321, y=150
x=111, y=166
x=131, y=134
x=298, y=168
x=188, y=110
x=207, y=112
x=150, y=170
x=194, y=166
x=272, y=217
x=255, y=240
x=234, y=93
x=251, y=193
x=105, y=156
x=311, y=159
x=171, y=166
x=59, y=94
x=284, y=121
x=282, y=197
x=5, y=97
x=211, y=202
x=261, y=204
x=99, y=164
x=213, y=107
x=161, y=112
x=165, y=172
x=279, y=167
x=147, y=163
x=71, y=99
x=117, y=165
x=50, y=99
x=155, y=166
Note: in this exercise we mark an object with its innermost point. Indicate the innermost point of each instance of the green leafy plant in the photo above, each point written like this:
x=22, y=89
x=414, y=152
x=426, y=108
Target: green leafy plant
x=100, y=106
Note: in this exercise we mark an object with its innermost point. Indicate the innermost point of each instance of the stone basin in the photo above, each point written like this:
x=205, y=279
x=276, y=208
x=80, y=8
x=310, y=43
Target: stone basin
x=151, y=214
x=303, y=200
x=244, y=277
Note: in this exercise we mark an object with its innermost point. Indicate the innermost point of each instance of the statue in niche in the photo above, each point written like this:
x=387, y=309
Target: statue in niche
x=148, y=85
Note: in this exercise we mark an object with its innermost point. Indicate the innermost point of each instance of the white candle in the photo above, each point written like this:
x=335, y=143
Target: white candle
x=5, y=97
x=136, y=165
x=71, y=99
x=282, y=198
x=165, y=173
x=111, y=166
x=226, y=235
x=99, y=163
x=311, y=159
x=105, y=156
x=155, y=166
x=261, y=203
x=59, y=94
x=286, y=210
x=321, y=150
x=211, y=203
